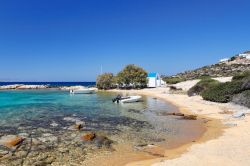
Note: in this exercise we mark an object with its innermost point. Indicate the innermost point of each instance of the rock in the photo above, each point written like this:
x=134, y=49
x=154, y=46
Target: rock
x=78, y=126
x=178, y=114
x=102, y=141
x=24, y=135
x=239, y=115
x=11, y=141
x=172, y=113
x=47, y=137
x=21, y=154
x=73, y=119
x=143, y=146
x=54, y=124
x=88, y=136
x=3, y=153
x=166, y=113
x=134, y=111
x=190, y=117
x=36, y=141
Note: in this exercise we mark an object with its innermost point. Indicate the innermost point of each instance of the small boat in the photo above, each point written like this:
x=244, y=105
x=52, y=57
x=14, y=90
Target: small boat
x=82, y=91
x=127, y=99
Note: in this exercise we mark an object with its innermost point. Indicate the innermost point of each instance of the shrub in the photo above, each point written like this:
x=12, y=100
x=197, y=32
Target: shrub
x=242, y=98
x=173, y=80
x=222, y=92
x=202, y=86
x=105, y=81
x=203, y=77
x=243, y=75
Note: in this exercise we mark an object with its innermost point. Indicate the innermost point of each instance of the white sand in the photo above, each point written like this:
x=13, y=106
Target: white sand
x=232, y=148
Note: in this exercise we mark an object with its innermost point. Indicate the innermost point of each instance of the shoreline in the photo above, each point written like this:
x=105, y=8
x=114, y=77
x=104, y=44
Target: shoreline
x=213, y=129
x=219, y=128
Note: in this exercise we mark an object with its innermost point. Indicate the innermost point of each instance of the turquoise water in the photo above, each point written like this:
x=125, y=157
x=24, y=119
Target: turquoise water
x=40, y=108
x=45, y=119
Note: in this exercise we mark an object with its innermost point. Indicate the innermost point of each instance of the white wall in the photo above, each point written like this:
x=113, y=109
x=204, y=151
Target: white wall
x=151, y=82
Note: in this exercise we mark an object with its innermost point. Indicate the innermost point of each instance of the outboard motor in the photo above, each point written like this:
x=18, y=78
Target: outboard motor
x=117, y=98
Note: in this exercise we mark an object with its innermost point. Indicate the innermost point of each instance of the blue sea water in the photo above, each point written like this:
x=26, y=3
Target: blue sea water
x=52, y=84
x=40, y=108
x=49, y=116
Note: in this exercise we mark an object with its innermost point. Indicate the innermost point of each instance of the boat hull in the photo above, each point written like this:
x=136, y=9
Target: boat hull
x=84, y=91
x=131, y=99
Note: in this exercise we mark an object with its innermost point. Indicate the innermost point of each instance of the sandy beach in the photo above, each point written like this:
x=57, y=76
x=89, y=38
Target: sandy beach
x=226, y=141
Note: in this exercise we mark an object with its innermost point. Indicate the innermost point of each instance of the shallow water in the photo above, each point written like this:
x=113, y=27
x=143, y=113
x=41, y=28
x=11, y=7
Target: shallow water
x=47, y=115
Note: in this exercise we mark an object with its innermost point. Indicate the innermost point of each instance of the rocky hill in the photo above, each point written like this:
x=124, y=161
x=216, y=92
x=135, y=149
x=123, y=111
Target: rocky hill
x=226, y=67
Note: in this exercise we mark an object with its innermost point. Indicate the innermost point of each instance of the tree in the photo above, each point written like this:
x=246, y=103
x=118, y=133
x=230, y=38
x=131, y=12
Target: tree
x=132, y=76
x=105, y=81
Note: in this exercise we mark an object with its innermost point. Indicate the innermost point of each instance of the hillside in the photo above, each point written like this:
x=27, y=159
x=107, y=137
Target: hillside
x=226, y=67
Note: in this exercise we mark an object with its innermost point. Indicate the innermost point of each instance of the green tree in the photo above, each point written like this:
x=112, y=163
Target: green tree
x=132, y=76
x=105, y=81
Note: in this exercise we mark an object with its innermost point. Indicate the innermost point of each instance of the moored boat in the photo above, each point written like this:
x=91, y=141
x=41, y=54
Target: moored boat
x=82, y=91
x=127, y=99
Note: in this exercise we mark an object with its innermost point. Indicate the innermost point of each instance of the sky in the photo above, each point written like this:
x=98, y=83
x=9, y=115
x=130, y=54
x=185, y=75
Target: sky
x=69, y=40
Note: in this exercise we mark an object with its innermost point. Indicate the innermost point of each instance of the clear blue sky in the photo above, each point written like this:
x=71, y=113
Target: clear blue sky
x=68, y=40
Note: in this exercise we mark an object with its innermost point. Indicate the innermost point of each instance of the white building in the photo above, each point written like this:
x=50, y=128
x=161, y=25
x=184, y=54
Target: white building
x=154, y=80
x=247, y=56
x=224, y=60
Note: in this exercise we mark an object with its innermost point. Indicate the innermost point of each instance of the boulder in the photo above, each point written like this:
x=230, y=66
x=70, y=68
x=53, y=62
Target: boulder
x=11, y=141
x=88, y=136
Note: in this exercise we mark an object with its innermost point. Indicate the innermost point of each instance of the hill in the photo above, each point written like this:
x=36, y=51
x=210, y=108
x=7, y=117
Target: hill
x=226, y=67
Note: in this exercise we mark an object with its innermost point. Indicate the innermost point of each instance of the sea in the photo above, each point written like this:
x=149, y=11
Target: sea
x=47, y=119
x=51, y=84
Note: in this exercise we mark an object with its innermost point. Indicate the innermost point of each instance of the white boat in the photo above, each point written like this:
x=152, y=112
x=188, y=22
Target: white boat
x=130, y=99
x=82, y=91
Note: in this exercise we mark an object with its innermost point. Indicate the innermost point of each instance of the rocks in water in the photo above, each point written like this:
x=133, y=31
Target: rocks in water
x=143, y=146
x=190, y=117
x=102, y=141
x=73, y=119
x=134, y=111
x=88, y=136
x=178, y=114
x=11, y=141
x=172, y=113
x=75, y=127
x=48, y=138
x=78, y=126
x=54, y=124
x=3, y=152
x=98, y=140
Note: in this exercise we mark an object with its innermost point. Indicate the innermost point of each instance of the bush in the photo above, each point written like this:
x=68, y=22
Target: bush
x=222, y=92
x=105, y=81
x=173, y=80
x=203, y=77
x=243, y=75
x=242, y=98
x=201, y=86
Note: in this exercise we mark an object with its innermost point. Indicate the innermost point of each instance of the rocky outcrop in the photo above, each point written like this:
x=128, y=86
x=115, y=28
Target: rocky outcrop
x=230, y=67
x=21, y=86
x=216, y=70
